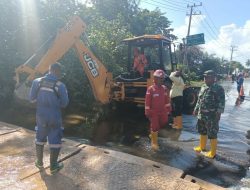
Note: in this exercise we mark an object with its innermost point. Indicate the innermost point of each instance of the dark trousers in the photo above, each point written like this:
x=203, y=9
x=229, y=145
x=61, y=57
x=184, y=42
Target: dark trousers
x=177, y=105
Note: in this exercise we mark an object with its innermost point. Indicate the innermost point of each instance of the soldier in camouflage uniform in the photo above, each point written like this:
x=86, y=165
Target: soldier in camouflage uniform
x=210, y=105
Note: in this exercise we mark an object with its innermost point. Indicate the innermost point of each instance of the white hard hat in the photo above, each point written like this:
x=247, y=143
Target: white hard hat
x=159, y=73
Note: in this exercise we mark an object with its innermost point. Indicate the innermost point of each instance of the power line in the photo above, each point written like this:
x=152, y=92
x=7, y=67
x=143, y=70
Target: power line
x=171, y=4
x=221, y=39
x=192, y=1
x=214, y=31
x=207, y=23
x=208, y=32
x=209, y=17
x=212, y=40
x=167, y=6
x=213, y=35
x=211, y=28
x=214, y=26
x=175, y=3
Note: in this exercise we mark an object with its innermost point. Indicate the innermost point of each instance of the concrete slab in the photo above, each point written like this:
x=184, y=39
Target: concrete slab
x=99, y=169
x=7, y=128
x=17, y=155
x=203, y=183
x=86, y=167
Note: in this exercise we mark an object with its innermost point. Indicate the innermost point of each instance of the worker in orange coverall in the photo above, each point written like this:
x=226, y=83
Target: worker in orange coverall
x=140, y=61
x=157, y=106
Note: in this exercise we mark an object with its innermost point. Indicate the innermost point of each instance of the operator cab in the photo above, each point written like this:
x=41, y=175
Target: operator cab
x=156, y=49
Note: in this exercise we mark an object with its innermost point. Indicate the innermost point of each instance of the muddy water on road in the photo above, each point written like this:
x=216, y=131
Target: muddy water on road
x=128, y=132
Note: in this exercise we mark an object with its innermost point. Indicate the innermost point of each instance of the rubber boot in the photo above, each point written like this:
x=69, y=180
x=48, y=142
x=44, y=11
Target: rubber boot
x=154, y=141
x=150, y=135
x=174, y=123
x=178, y=122
x=212, y=152
x=54, y=165
x=203, y=142
x=39, y=156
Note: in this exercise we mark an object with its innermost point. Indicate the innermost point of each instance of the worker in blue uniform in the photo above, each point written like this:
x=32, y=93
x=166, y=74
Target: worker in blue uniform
x=49, y=95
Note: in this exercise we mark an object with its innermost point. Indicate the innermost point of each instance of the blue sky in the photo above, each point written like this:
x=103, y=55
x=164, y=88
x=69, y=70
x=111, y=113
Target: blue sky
x=225, y=23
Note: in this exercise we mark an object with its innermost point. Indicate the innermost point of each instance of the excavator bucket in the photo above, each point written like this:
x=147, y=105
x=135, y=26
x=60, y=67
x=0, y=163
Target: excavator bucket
x=23, y=85
x=26, y=73
x=22, y=92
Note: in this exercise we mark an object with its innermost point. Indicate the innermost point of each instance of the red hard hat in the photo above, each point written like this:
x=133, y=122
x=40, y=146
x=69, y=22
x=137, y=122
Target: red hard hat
x=159, y=73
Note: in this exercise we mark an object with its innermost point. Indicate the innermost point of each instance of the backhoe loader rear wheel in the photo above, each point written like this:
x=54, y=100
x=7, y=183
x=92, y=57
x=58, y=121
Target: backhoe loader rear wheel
x=190, y=97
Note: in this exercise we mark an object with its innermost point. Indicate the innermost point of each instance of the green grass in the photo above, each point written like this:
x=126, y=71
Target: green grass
x=196, y=83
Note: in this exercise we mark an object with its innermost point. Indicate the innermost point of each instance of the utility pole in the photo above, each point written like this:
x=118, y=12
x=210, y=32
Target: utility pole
x=191, y=14
x=232, y=49
x=185, y=61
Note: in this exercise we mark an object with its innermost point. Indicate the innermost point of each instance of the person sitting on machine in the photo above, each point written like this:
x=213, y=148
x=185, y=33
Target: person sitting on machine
x=140, y=61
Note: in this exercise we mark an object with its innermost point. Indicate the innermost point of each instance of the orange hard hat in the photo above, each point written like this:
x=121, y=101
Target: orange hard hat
x=159, y=73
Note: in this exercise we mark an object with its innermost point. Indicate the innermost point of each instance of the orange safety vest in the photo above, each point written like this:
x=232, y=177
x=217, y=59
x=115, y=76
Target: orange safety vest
x=140, y=62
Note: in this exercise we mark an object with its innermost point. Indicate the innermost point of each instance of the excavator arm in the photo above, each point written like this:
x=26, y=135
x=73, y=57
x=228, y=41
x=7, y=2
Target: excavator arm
x=100, y=79
x=64, y=40
x=69, y=36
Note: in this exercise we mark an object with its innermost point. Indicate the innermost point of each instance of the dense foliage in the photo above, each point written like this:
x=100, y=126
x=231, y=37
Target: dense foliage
x=25, y=25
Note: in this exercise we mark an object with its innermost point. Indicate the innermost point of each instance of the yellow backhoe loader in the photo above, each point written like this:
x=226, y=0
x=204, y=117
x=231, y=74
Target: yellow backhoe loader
x=127, y=87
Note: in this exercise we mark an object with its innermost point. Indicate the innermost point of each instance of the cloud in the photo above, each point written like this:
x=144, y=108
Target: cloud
x=220, y=44
x=232, y=36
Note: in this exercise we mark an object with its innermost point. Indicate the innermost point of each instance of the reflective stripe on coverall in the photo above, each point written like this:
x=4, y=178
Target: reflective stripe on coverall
x=48, y=113
x=157, y=106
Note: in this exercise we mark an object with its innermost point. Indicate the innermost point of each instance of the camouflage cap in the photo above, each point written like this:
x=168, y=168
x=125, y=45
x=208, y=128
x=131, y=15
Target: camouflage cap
x=209, y=73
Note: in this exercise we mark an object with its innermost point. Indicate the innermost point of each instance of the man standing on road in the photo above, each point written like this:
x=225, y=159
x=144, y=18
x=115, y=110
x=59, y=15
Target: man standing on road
x=176, y=94
x=157, y=106
x=50, y=95
x=239, y=81
x=210, y=105
x=240, y=89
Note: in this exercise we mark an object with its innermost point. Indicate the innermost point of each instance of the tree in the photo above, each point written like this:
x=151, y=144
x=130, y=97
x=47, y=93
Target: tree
x=149, y=22
x=248, y=63
x=111, y=9
x=11, y=50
